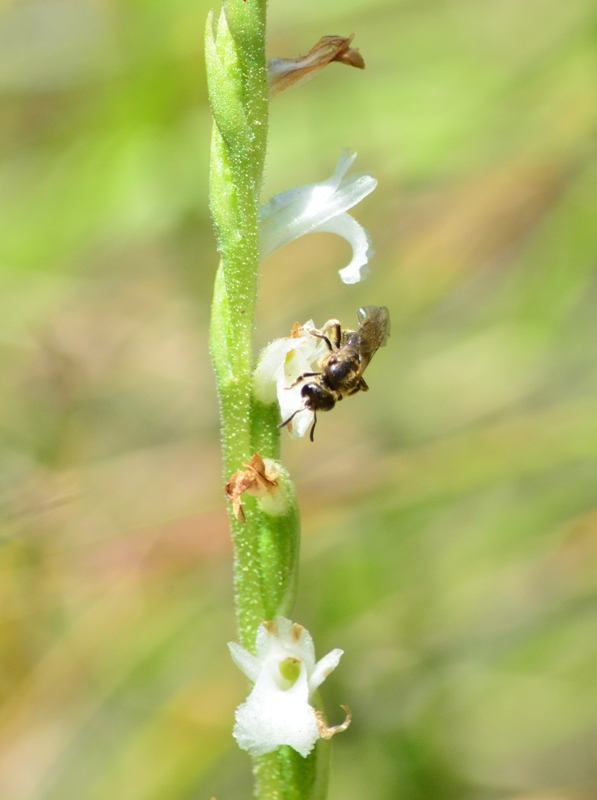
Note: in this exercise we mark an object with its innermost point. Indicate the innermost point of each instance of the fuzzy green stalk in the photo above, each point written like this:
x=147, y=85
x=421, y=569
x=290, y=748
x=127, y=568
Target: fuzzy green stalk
x=266, y=546
x=238, y=91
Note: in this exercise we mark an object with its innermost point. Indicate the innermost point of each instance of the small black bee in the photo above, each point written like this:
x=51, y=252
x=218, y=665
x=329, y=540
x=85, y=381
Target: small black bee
x=342, y=370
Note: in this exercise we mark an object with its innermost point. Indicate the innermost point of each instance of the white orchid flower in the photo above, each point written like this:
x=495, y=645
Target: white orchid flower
x=278, y=711
x=280, y=364
x=322, y=207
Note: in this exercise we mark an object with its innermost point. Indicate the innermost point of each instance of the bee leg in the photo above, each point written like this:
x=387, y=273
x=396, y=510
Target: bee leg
x=331, y=333
x=300, y=378
x=320, y=335
x=334, y=330
x=360, y=387
x=313, y=426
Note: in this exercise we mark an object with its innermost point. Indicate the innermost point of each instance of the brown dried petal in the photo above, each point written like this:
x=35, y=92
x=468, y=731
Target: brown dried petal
x=351, y=58
x=256, y=479
x=286, y=72
x=325, y=731
x=238, y=483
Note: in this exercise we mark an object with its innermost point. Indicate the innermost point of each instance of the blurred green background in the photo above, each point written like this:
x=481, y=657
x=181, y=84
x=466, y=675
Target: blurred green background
x=449, y=516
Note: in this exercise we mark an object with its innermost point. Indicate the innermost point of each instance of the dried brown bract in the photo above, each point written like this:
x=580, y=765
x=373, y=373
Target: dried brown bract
x=286, y=72
x=259, y=478
x=326, y=731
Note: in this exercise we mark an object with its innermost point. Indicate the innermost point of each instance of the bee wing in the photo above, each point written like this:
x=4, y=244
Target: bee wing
x=374, y=329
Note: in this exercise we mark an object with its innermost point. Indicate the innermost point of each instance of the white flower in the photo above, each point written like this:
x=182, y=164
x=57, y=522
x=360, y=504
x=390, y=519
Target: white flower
x=279, y=366
x=285, y=675
x=321, y=207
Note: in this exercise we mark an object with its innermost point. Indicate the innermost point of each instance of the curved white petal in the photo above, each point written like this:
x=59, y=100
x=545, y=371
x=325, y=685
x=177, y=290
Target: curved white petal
x=271, y=362
x=343, y=164
x=301, y=198
x=272, y=717
x=245, y=661
x=306, y=209
x=323, y=668
x=358, y=238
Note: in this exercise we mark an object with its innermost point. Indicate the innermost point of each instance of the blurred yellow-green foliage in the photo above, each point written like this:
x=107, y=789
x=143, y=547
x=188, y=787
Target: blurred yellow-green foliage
x=450, y=515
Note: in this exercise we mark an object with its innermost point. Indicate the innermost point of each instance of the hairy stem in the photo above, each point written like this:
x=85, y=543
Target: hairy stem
x=266, y=546
x=237, y=80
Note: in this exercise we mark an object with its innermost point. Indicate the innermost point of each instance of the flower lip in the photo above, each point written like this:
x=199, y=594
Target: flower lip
x=285, y=675
x=320, y=208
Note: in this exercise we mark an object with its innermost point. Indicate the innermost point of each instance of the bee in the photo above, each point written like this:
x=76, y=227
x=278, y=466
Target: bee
x=341, y=372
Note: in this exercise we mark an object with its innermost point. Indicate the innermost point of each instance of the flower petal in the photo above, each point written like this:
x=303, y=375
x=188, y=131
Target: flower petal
x=245, y=661
x=305, y=208
x=271, y=362
x=323, y=668
x=343, y=164
x=289, y=395
x=271, y=717
x=358, y=238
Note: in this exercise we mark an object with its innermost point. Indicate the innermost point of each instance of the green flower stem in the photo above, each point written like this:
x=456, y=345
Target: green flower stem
x=238, y=89
x=267, y=545
x=285, y=775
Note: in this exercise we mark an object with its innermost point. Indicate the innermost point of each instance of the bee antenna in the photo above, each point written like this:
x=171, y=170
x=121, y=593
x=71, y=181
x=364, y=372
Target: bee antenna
x=291, y=417
x=313, y=426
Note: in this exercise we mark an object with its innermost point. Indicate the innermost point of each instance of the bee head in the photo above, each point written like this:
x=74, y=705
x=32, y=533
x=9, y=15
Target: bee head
x=317, y=398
